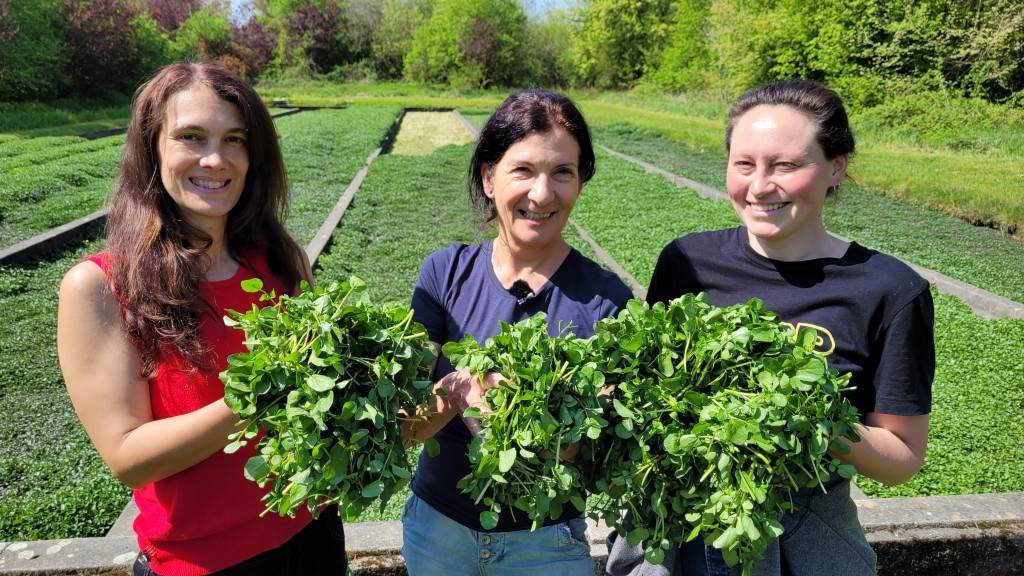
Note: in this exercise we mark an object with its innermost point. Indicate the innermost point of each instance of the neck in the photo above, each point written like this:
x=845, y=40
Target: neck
x=810, y=246
x=532, y=266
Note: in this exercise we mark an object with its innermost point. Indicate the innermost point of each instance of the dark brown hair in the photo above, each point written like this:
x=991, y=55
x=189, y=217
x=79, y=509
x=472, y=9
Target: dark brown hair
x=158, y=257
x=818, y=102
x=526, y=112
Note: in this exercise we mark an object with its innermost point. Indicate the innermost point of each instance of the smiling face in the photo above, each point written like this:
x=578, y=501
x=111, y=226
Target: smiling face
x=777, y=180
x=534, y=186
x=203, y=156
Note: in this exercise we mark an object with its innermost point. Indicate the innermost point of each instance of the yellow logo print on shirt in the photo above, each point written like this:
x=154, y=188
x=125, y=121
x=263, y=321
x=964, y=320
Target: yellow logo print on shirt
x=824, y=345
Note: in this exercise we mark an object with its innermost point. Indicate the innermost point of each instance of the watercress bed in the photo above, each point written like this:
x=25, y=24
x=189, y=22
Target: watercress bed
x=718, y=413
x=327, y=376
x=548, y=404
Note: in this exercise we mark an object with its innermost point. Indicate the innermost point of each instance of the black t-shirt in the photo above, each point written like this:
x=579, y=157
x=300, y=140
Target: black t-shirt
x=873, y=313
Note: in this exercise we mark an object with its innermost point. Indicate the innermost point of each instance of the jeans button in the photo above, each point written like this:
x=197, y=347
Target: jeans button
x=485, y=540
x=485, y=554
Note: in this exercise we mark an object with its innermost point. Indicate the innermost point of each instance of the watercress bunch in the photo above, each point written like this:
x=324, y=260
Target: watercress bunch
x=718, y=414
x=548, y=404
x=327, y=377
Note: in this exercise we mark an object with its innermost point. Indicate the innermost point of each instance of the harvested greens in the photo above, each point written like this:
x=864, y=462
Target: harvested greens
x=548, y=403
x=718, y=414
x=327, y=377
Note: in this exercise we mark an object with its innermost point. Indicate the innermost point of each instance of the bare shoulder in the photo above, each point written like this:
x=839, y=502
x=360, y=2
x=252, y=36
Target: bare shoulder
x=86, y=285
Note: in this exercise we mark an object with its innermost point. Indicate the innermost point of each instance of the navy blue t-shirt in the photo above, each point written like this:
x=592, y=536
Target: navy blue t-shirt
x=457, y=294
x=873, y=314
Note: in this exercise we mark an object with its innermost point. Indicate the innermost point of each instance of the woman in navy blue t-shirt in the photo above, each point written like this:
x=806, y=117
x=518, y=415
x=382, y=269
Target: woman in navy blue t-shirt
x=530, y=164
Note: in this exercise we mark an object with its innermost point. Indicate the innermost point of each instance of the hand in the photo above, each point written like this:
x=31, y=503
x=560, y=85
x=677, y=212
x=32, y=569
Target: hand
x=464, y=390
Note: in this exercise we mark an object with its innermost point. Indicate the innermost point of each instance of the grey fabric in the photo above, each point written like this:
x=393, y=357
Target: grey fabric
x=822, y=536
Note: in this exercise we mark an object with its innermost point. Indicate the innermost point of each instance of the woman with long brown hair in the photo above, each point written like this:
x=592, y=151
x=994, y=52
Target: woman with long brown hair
x=196, y=209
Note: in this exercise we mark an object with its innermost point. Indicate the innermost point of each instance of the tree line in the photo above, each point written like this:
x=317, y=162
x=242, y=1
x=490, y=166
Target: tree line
x=867, y=49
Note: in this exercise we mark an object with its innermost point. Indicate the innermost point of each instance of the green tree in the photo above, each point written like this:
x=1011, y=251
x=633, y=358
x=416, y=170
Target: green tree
x=205, y=35
x=32, y=53
x=469, y=44
x=547, y=51
x=615, y=42
x=393, y=34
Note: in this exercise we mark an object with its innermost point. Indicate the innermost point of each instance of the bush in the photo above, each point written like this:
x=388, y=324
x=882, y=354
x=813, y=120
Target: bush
x=32, y=50
x=472, y=43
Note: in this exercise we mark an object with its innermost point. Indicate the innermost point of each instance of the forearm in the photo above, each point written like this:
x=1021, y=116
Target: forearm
x=162, y=448
x=891, y=448
x=430, y=419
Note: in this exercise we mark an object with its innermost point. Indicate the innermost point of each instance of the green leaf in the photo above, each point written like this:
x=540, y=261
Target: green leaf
x=252, y=285
x=372, y=490
x=320, y=383
x=488, y=519
x=506, y=459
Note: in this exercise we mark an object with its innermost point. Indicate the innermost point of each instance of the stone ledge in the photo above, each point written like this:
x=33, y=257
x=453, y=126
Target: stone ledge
x=977, y=535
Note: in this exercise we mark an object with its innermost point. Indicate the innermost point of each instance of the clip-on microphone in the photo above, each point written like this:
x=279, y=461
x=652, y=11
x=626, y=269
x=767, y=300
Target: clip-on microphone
x=521, y=291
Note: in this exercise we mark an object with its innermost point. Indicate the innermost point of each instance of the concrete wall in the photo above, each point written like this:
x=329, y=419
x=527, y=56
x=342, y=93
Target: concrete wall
x=976, y=535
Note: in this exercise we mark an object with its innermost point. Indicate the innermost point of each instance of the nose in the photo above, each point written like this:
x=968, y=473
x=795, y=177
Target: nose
x=211, y=157
x=761, y=183
x=541, y=191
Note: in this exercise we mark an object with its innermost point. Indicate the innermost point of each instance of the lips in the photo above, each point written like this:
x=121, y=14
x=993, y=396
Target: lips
x=536, y=215
x=209, y=184
x=767, y=207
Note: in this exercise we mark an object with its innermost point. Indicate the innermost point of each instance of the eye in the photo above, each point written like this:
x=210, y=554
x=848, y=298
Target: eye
x=188, y=137
x=235, y=140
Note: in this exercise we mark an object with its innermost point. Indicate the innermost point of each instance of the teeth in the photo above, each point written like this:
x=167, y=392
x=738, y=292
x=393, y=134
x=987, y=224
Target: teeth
x=210, y=184
x=536, y=215
x=766, y=207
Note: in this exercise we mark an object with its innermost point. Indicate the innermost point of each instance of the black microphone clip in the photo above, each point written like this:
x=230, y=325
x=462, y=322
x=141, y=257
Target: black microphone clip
x=521, y=291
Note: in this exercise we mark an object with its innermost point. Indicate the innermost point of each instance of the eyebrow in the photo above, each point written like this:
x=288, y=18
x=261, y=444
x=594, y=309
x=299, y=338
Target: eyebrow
x=198, y=128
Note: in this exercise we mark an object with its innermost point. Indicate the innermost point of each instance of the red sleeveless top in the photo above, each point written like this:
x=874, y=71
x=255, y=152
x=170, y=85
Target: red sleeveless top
x=207, y=517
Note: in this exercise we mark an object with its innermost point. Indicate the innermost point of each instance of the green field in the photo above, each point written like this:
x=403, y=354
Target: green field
x=411, y=205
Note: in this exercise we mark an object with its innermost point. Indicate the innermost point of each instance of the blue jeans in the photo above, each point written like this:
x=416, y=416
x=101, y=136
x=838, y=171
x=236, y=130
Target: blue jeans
x=435, y=545
x=317, y=550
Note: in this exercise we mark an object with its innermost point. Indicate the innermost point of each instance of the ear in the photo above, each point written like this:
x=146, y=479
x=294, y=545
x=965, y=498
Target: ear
x=839, y=169
x=487, y=177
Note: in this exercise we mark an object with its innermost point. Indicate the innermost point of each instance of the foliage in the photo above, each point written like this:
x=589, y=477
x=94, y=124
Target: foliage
x=870, y=50
x=32, y=51
x=170, y=14
x=547, y=59
x=393, y=35
x=103, y=55
x=315, y=34
x=469, y=44
x=614, y=40
x=548, y=404
x=718, y=414
x=205, y=35
x=254, y=46
x=326, y=385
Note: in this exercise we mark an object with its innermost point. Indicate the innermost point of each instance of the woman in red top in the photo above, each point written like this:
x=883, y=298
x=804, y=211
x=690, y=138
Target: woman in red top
x=196, y=209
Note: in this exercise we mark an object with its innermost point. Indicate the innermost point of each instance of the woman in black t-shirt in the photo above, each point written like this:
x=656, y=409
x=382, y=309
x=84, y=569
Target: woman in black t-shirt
x=789, y=146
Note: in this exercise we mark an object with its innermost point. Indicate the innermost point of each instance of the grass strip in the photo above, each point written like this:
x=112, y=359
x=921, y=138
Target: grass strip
x=53, y=484
x=59, y=188
x=323, y=150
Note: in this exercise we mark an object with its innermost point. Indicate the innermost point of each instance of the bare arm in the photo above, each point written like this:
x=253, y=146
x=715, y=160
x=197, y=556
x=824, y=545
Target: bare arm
x=456, y=392
x=891, y=448
x=101, y=372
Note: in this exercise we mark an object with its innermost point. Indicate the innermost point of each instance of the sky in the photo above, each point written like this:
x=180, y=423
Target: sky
x=240, y=8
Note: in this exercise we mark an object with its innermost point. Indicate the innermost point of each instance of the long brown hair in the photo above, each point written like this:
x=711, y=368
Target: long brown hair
x=158, y=258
